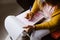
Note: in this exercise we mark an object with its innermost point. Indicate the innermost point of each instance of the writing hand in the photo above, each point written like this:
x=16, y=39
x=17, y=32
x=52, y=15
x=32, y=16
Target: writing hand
x=29, y=16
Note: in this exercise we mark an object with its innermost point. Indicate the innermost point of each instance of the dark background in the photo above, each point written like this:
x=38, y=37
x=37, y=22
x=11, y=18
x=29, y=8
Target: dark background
x=7, y=7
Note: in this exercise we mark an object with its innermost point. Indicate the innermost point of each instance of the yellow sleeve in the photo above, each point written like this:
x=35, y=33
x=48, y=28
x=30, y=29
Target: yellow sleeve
x=50, y=24
x=35, y=7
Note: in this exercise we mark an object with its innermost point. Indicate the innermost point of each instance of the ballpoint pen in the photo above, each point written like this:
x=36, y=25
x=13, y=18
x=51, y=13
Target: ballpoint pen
x=30, y=8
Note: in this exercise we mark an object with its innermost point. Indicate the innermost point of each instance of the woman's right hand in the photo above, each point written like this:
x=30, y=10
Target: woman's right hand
x=29, y=16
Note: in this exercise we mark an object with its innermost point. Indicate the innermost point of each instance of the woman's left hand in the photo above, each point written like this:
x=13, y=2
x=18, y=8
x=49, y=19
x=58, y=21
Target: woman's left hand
x=29, y=28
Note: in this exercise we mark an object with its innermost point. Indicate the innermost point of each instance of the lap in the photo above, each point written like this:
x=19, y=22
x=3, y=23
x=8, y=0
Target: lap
x=37, y=35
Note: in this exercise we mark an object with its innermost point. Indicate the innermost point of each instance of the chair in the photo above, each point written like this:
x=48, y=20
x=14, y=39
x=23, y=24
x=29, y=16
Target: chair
x=12, y=25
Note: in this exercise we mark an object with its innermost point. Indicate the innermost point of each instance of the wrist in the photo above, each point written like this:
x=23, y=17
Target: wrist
x=34, y=27
x=32, y=13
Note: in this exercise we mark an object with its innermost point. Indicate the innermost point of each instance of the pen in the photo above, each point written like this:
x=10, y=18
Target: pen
x=30, y=8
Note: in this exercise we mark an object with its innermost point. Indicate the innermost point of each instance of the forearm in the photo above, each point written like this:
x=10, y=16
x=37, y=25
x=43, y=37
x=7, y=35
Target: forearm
x=48, y=25
x=35, y=7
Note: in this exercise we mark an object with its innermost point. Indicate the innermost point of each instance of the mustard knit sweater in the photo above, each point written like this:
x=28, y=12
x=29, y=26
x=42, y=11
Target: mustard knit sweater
x=53, y=24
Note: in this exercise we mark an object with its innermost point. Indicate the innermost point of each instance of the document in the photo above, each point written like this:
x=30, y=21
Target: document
x=37, y=17
x=25, y=22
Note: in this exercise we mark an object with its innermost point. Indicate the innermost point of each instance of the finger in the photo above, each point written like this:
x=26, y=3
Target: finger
x=27, y=15
x=29, y=26
x=26, y=27
x=30, y=17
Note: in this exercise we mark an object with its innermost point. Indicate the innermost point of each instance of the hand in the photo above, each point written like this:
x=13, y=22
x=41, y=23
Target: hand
x=29, y=29
x=29, y=16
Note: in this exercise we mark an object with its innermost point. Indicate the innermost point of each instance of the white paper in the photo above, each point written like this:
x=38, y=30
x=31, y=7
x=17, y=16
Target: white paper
x=34, y=20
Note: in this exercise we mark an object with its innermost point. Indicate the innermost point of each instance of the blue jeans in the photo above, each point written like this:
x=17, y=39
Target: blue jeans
x=37, y=35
